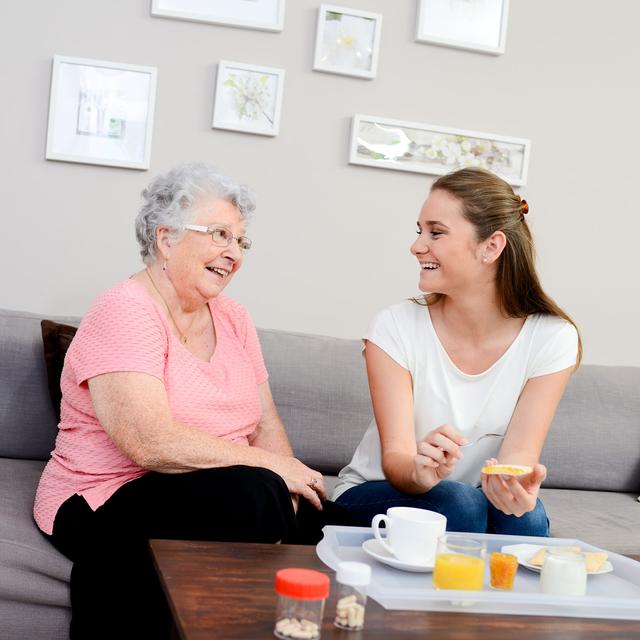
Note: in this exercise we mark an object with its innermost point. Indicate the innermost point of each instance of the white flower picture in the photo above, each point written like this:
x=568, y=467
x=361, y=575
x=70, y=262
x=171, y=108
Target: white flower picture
x=423, y=148
x=101, y=112
x=347, y=41
x=248, y=98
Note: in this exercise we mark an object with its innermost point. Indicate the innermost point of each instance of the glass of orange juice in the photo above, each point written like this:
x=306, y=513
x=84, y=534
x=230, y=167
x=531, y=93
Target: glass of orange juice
x=459, y=563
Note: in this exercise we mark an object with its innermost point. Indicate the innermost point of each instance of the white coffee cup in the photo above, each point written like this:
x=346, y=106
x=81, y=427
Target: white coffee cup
x=412, y=534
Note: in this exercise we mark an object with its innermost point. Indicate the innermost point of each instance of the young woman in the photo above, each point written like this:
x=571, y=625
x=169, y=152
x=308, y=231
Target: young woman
x=485, y=351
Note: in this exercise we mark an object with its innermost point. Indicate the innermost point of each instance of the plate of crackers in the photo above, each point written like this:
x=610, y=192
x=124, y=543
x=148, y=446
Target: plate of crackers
x=532, y=556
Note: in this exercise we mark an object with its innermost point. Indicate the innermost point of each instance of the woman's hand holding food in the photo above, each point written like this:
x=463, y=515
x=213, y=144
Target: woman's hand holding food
x=437, y=454
x=513, y=495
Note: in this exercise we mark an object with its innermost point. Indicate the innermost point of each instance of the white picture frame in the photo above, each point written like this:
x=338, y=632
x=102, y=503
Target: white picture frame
x=347, y=41
x=474, y=25
x=426, y=148
x=248, y=98
x=101, y=112
x=264, y=15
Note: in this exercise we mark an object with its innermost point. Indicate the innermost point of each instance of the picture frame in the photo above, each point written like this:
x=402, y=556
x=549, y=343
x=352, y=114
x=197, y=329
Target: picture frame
x=475, y=25
x=101, y=112
x=347, y=41
x=425, y=148
x=264, y=15
x=248, y=98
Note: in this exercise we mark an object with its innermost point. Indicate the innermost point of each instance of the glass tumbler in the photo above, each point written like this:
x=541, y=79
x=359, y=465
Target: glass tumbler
x=459, y=563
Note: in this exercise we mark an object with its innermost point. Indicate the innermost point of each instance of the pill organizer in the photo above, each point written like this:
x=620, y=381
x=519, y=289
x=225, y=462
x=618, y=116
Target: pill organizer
x=612, y=595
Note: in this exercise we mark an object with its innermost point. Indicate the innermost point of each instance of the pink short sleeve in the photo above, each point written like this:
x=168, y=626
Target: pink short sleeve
x=121, y=332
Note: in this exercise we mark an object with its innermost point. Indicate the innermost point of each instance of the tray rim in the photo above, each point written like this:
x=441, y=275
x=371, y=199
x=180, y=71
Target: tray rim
x=505, y=602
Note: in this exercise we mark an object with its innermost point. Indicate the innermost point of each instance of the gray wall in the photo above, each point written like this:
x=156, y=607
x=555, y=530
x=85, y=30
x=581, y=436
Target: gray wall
x=331, y=239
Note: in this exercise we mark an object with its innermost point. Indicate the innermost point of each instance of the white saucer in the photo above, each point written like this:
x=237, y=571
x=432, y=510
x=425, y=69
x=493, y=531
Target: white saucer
x=373, y=548
x=525, y=551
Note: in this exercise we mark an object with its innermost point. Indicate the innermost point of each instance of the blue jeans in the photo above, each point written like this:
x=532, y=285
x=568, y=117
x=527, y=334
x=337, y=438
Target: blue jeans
x=466, y=508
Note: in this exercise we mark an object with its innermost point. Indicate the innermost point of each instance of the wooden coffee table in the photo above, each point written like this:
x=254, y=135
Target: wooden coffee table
x=225, y=590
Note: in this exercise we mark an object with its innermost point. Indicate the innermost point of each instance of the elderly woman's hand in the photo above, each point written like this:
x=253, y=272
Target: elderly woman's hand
x=300, y=479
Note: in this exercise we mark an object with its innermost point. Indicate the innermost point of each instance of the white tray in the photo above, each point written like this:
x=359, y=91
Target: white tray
x=611, y=595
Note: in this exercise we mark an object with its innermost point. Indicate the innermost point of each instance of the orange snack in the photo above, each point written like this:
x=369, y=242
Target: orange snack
x=503, y=568
x=507, y=470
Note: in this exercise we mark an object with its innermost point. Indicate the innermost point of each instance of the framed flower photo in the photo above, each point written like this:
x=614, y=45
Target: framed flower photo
x=248, y=98
x=101, y=112
x=431, y=149
x=347, y=41
x=266, y=15
x=476, y=25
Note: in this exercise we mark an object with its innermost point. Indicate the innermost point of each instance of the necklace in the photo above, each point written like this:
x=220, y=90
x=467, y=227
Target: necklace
x=183, y=337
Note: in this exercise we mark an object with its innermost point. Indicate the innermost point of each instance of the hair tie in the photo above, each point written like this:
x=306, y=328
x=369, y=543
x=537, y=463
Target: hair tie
x=524, y=208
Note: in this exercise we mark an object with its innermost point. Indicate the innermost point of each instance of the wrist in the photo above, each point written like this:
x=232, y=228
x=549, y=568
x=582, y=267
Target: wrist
x=422, y=485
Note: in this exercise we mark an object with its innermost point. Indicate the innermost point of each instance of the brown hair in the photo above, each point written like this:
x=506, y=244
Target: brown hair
x=490, y=205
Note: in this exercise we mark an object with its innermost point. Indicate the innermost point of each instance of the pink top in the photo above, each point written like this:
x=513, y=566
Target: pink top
x=125, y=330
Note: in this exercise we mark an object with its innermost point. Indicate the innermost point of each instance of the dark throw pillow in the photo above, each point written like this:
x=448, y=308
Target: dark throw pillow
x=56, y=338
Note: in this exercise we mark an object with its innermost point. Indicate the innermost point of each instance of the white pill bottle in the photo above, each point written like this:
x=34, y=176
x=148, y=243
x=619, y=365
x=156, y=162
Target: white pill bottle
x=353, y=578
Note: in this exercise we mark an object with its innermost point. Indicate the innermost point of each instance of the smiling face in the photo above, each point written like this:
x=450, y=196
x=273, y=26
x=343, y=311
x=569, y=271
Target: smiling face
x=199, y=269
x=447, y=250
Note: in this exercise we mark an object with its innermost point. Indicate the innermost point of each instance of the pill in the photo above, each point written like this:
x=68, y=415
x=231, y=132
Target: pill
x=281, y=624
x=346, y=601
x=294, y=628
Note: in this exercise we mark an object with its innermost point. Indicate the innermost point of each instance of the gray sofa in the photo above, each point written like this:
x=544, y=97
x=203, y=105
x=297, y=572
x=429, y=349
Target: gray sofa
x=319, y=384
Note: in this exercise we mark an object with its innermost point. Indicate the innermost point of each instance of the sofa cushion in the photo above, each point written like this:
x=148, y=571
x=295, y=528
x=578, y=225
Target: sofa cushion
x=594, y=440
x=602, y=518
x=56, y=338
x=27, y=419
x=320, y=388
x=34, y=589
x=41, y=573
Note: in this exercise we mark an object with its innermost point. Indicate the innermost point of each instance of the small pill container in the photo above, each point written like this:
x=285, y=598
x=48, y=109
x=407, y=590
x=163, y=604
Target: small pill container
x=301, y=597
x=353, y=578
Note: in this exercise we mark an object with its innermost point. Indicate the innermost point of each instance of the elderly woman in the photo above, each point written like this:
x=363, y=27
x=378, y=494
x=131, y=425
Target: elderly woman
x=168, y=426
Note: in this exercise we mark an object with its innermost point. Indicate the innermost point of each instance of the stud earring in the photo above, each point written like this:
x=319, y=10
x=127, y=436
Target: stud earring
x=484, y=259
x=164, y=266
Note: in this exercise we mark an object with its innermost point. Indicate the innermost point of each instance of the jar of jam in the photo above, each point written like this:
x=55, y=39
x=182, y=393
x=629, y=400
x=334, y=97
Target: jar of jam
x=503, y=567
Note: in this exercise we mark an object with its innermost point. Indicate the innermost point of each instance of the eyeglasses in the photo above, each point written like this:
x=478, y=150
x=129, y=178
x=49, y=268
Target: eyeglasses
x=221, y=236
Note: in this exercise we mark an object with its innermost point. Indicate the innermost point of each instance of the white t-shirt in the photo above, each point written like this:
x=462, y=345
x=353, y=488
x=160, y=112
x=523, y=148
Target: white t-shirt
x=474, y=404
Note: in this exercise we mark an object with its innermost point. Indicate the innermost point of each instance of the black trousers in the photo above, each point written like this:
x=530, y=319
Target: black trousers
x=115, y=591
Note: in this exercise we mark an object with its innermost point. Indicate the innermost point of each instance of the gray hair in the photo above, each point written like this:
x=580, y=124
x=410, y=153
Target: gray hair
x=169, y=198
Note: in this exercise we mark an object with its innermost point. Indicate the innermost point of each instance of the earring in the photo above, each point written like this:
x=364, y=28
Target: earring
x=484, y=259
x=164, y=266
